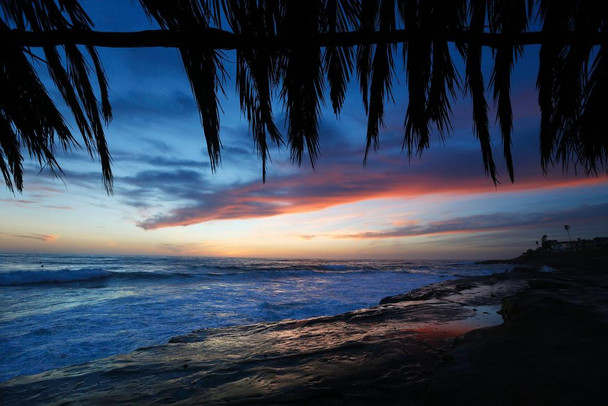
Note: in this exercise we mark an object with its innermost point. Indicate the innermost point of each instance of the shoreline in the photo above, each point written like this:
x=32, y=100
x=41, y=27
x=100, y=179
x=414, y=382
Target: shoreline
x=409, y=349
x=551, y=349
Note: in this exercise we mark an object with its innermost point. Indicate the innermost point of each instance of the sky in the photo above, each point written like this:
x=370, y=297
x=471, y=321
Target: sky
x=167, y=201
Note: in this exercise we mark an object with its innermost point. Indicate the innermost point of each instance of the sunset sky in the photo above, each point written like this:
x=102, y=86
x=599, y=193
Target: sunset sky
x=168, y=202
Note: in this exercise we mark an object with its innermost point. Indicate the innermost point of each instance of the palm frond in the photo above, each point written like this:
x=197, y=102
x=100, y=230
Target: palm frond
x=203, y=65
x=568, y=84
x=339, y=16
x=381, y=77
x=508, y=17
x=78, y=71
x=444, y=80
x=70, y=74
x=555, y=22
x=338, y=65
x=368, y=22
x=279, y=56
x=592, y=150
x=206, y=75
x=302, y=75
x=256, y=73
x=475, y=85
x=418, y=71
x=585, y=19
x=443, y=84
x=106, y=108
x=28, y=118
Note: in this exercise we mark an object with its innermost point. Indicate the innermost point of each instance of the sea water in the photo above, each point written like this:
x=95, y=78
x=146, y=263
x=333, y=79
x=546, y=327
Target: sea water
x=59, y=310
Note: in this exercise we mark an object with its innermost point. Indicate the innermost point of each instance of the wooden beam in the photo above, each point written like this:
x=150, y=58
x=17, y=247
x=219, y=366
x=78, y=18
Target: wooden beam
x=212, y=38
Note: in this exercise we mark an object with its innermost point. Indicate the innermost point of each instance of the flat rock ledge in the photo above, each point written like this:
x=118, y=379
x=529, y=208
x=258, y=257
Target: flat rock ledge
x=441, y=344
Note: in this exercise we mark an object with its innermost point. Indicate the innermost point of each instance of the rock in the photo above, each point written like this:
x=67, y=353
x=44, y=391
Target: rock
x=551, y=350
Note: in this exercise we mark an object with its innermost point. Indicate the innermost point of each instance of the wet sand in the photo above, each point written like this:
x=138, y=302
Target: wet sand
x=551, y=349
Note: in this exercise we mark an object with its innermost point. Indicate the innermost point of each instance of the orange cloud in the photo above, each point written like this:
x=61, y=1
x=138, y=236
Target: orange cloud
x=35, y=236
x=335, y=186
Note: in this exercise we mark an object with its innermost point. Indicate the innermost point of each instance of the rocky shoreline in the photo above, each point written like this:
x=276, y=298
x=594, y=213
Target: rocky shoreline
x=411, y=349
x=551, y=350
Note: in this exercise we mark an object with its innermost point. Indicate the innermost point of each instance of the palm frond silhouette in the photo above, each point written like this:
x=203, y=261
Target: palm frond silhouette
x=296, y=53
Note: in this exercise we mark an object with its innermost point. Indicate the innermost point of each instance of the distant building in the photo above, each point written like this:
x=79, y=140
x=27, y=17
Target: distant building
x=578, y=245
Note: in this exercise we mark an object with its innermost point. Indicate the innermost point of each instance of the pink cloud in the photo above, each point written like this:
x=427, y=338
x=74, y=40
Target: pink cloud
x=337, y=185
x=35, y=236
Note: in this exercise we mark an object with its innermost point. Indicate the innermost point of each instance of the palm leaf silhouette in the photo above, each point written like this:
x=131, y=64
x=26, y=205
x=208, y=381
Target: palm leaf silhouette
x=339, y=16
x=381, y=71
x=203, y=64
x=508, y=17
x=257, y=72
x=288, y=52
x=27, y=111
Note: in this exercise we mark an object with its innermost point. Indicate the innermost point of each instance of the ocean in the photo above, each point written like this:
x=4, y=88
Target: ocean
x=59, y=310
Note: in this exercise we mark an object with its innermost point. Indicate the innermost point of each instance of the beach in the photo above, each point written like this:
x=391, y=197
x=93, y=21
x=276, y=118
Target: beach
x=303, y=202
x=77, y=309
x=533, y=335
x=550, y=350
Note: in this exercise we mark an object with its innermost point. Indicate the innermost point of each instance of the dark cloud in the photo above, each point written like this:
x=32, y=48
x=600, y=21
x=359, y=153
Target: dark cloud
x=163, y=161
x=490, y=222
x=145, y=188
x=330, y=186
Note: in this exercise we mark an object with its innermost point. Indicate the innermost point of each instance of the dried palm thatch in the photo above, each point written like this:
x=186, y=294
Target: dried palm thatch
x=289, y=51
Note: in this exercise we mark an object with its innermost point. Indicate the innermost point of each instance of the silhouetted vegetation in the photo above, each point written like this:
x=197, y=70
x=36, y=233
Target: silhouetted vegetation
x=290, y=51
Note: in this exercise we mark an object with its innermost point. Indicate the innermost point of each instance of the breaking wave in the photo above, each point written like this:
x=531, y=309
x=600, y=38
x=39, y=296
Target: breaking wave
x=15, y=278
x=66, y=276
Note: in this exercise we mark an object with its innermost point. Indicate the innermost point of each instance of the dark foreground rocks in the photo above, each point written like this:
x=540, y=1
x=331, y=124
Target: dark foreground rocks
x=552, y=349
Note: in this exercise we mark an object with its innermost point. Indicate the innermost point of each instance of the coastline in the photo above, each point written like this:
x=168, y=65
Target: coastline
x=408, y=350
x=550, y=350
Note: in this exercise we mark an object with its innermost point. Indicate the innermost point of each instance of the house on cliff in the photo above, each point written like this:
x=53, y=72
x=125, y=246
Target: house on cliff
x=577, y=245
